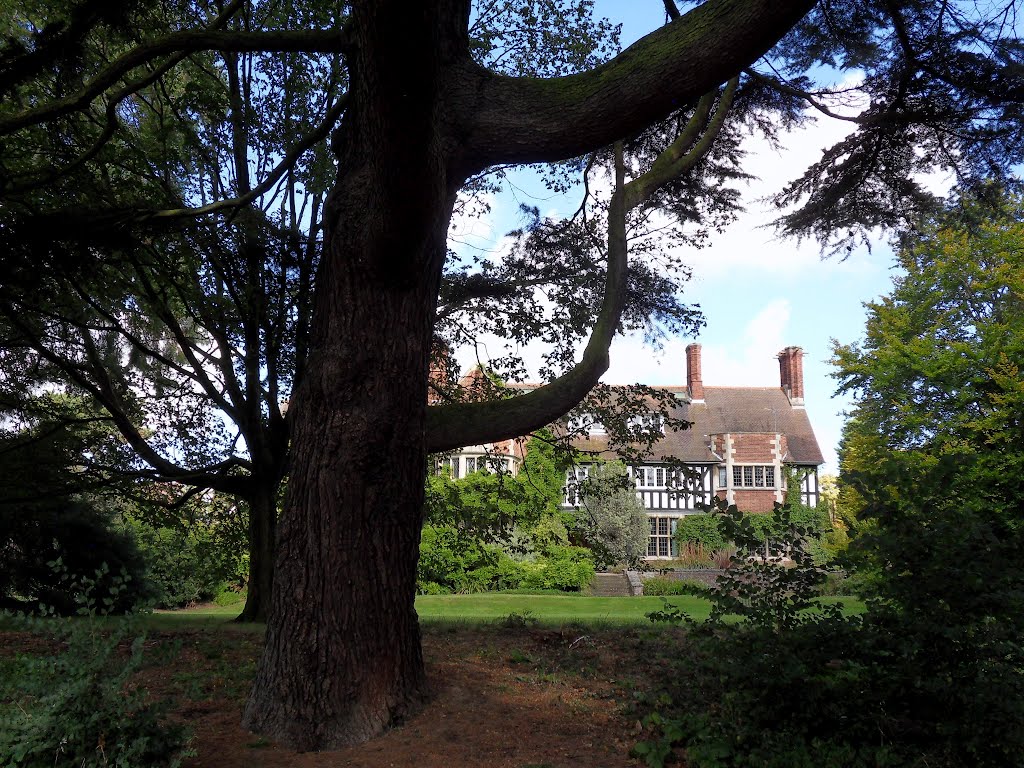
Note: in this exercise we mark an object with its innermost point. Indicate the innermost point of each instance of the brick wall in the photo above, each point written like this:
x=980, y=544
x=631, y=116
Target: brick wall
x=752, y=500
x=753, y=449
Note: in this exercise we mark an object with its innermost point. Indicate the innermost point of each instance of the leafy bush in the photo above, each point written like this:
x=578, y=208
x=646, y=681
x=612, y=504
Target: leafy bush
x=82, y=538
x=703, y=529
x=188, y=564
x=658, y=586
x=229, y=595
x=79, y=707
x=932, y=674
x=569, y=569
x=451, y=563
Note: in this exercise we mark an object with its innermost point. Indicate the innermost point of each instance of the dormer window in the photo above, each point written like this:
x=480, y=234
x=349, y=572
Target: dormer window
x=588, y=424
x=650, y=423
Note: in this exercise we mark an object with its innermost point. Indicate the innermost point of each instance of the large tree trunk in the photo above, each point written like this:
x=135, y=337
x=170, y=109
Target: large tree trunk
x=262, y=530
x=342, y=660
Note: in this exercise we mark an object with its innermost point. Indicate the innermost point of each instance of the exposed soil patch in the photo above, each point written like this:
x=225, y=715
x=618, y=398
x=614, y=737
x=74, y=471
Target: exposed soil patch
x=521, y=697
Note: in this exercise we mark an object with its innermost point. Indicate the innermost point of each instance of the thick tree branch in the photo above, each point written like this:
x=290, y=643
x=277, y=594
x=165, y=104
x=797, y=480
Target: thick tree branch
x=504, y=119
x=458, y=424
x=687, y=150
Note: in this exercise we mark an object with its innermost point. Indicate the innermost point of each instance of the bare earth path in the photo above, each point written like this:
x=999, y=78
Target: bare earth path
x=504, y=697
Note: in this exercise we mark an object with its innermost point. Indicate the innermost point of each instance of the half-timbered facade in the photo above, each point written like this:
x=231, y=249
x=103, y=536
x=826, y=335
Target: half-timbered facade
x=744, y=445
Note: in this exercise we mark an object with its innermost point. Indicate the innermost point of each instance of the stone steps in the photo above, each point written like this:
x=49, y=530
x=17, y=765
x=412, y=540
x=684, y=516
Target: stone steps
x=609, y=585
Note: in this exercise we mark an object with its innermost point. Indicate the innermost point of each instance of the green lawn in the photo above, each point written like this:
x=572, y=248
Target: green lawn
x=546, y=609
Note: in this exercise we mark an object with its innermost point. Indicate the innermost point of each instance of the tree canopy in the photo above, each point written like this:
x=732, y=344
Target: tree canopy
x=169, y=171
x=937, y=374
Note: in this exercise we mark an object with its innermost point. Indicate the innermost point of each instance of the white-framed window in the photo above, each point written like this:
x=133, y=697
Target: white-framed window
x=588, y=424
x=574, y=479
x=478, y=464
x=723, y=477
x=650, y=477
x=449, y=465
x=753, y=476
x=648, y=422
x=662, y=539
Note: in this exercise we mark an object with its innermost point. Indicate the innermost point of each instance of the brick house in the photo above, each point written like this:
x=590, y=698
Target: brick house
x=741, y=445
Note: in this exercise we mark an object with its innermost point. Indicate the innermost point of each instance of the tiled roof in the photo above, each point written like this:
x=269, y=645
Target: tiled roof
x=732, y=410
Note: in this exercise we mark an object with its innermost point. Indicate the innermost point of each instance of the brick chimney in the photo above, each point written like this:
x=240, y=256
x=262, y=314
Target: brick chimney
x=437, y=376
x=791, y=374
x=694, y=384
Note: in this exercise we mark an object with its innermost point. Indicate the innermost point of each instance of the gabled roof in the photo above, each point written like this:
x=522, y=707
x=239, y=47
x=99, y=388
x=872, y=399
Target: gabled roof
x=734, y=410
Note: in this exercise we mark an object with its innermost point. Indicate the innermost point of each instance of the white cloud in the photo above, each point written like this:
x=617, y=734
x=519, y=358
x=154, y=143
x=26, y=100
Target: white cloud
x=750, y=362
x=471, y=230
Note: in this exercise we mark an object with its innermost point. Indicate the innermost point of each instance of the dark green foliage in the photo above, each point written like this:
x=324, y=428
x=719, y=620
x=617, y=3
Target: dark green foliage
x=702, y=528
x=933, y=673
x=45, y=514
x=188, y=565
x=773, y=579
x=79, y=706
x=32, y=537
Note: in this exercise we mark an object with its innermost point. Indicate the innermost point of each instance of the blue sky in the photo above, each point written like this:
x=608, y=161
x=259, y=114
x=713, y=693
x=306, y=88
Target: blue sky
x=758, y=293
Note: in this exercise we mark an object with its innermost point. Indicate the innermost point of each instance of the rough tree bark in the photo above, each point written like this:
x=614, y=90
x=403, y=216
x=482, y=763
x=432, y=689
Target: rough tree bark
x=342, y=659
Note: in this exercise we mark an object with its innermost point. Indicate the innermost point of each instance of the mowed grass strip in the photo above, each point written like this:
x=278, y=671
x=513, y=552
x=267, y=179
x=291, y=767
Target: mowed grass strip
x=490, y=607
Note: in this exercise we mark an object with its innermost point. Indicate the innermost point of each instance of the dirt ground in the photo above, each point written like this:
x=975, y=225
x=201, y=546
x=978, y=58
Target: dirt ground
x=504, y=697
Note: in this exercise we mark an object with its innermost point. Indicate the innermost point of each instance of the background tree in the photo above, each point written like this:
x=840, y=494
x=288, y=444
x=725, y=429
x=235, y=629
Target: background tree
x=408, y=139
x=931, y=460
x=55, y=528
x=611, y=519
x=211, y=320
x=936, y=375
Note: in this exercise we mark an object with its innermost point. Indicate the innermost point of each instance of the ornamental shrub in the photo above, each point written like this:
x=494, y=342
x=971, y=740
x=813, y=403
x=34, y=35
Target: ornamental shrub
x=450, y=563
x=612, y=520
x=658, y=586
x=79, y=706
x=569, y=569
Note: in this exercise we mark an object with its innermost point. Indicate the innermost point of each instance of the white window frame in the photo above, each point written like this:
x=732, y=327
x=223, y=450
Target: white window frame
x=661, y=543
x=648, y=422
x=755, y=476
x=587, y=423
x=574, y=477
x=651, y=477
